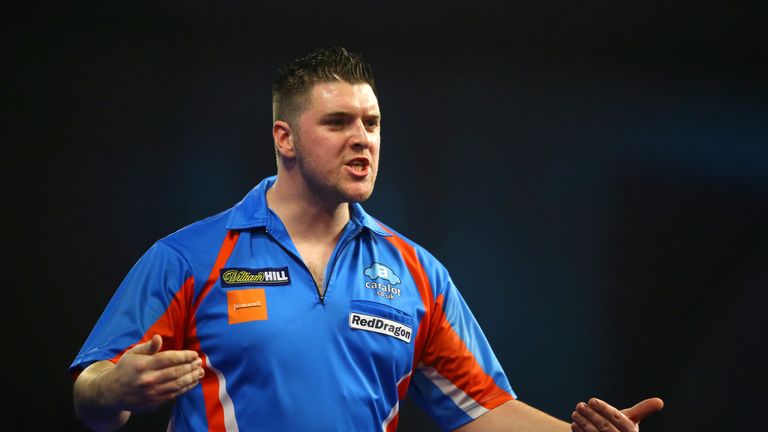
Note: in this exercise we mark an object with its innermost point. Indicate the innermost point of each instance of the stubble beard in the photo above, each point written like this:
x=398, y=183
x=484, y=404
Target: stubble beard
x=329, y=189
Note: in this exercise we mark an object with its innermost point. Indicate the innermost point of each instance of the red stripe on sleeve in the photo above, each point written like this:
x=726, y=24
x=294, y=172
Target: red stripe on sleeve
x=178, y=329
x=461, y=367
x=171, y=325
x=425, y=291
x=224, y=252
x=392, y=426
x=210, y=383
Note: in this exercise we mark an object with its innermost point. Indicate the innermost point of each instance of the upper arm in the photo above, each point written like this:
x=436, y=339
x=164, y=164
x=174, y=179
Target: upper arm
x=147, y=293
x=458, y=377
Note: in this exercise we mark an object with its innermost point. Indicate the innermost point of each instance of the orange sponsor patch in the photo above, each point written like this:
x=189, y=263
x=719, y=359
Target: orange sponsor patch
x=246, y=305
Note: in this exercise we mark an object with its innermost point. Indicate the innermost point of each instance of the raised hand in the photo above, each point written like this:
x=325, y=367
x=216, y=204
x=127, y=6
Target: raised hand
x=598, y=416
x=144, y=378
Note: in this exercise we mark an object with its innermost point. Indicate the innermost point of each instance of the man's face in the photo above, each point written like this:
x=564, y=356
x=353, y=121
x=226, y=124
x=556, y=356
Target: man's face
x=337, y=142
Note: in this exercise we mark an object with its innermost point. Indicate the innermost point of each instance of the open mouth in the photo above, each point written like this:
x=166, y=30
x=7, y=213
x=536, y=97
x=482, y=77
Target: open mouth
x=359, y=165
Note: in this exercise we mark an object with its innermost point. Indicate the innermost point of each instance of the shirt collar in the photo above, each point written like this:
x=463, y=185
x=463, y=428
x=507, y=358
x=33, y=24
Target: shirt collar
x=252, y=211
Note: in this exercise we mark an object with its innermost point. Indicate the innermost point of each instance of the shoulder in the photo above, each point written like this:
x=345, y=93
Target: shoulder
x=199, y=238
x=411, y=250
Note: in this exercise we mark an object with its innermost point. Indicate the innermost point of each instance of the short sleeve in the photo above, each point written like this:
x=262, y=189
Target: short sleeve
x=458, y=377
x=153, y=297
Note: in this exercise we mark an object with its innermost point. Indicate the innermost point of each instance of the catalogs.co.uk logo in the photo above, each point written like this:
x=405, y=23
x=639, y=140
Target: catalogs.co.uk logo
x=383, y=281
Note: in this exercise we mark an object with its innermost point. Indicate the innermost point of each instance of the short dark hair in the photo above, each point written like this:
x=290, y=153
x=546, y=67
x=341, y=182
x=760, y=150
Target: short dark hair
x=295, y=80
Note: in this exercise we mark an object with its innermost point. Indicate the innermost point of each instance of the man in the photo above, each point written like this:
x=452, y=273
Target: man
x=295, y=309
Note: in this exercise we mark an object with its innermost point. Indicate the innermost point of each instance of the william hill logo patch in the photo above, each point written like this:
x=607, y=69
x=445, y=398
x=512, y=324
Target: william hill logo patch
x=238, y=277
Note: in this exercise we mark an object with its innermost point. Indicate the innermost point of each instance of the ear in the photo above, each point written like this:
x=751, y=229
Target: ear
x=283, y=136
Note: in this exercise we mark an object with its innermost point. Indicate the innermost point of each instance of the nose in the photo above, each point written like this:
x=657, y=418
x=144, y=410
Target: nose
x=360, y=137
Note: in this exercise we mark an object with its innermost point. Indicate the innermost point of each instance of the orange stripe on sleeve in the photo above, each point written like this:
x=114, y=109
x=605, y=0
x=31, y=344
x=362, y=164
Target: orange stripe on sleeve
x=425, y=291
x=210, y=383
x=178, y=329
x=461, y=367
x=171, y=325
x=224, y=252
x=392, y=426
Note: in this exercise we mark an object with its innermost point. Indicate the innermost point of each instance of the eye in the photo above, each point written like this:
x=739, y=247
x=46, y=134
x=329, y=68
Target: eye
x=335, y=121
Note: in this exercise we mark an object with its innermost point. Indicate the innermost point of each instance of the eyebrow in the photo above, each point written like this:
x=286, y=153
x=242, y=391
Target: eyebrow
x=337, y=114
x=349, y=114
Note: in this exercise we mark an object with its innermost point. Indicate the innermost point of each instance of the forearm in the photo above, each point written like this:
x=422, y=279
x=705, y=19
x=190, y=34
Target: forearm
x=92, y=403
x=516, y=416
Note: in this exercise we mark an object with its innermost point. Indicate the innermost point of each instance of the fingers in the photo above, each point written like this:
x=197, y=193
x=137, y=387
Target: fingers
x=586, y=420
x=575, y=427
x=161, y=367
x=174, y=378
x=145, y=377
x=643, y=409
x=194, y=380
x=168, y=359
x=598, y=416
x=179, y=379
x=161, y=360
x=163, y=373
x=158, y=387
x=149, y=347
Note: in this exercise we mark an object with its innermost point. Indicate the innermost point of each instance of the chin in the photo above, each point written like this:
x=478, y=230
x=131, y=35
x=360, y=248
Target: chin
x=359, y=195
x=358, y=198
x=356, y=190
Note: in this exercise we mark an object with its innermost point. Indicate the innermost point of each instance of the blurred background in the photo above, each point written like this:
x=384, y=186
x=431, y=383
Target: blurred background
x=594, y=175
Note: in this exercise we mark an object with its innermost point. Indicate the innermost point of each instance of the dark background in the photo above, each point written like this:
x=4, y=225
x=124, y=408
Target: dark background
x=594, y=176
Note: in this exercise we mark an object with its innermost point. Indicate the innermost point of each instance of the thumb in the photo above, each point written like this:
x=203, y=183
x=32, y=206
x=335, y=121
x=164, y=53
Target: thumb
x=643, y=409
x=149, y=347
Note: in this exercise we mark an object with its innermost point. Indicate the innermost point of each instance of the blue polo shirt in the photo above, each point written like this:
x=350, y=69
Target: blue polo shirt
x=280, y=356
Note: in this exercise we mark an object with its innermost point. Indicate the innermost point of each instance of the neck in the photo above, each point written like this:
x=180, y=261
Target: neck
x=304, y=216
